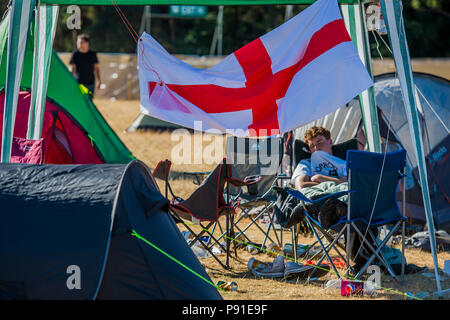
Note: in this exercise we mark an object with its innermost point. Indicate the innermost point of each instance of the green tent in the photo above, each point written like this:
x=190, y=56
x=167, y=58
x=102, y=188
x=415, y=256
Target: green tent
x=64, y=91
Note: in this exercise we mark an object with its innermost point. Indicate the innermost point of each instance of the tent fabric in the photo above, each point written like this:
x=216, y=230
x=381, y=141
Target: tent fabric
x=63, y=90
x=342, y=123
x=27, y=151
x=20, y=14
x=67, y=145
x=144, y=121
x=434, y=97
x=82, y=216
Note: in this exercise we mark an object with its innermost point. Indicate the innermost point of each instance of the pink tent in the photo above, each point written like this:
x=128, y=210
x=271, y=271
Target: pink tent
x=63, y=140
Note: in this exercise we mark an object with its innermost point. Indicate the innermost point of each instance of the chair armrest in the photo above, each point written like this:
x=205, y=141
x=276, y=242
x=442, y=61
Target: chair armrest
x=199, y=176
x=300, y=196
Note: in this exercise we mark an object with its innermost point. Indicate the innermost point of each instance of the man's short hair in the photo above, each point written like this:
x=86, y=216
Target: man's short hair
x=83, y=37
x=315, y=132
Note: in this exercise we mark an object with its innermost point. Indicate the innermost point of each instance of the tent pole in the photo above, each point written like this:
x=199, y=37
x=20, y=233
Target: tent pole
x=354, y=18
x=45, y=28
x=19, y=22
x=288, y=12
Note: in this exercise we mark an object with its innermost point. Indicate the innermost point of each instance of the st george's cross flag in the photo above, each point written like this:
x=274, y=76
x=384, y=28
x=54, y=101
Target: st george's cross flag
x=301, y=71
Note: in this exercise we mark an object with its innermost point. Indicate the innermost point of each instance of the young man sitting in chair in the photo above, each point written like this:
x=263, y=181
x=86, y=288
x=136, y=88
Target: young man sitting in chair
x=322, y=173
x=323, y=165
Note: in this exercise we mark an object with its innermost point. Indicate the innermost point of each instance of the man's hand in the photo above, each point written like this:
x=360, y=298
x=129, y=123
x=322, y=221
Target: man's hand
x=304, y=181
x=97, y=75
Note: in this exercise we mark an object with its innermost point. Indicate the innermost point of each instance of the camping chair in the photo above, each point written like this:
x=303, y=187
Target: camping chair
x=301, y=152
x=373, y=180
x=205, y=205
x=321, y=232
x=258, y=160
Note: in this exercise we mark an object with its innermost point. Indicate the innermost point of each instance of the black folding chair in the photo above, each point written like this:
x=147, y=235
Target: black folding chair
x=206, y=204
x=255, y=161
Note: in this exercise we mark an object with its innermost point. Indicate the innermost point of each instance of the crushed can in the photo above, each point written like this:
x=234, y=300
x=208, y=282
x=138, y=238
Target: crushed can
x=351, y=287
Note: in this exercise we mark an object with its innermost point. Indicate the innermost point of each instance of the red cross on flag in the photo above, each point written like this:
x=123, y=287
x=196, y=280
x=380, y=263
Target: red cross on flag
x=301, y=71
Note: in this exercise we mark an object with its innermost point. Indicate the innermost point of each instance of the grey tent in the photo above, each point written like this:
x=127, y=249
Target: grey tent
x=92, y=232
x=146, y=122
x=434, y=98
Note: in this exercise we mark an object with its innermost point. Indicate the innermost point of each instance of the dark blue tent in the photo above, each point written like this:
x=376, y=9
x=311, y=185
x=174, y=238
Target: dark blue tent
x=66, y=233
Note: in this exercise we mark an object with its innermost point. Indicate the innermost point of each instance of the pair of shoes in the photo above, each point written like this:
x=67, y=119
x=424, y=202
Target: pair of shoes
x=273, y=269
x=279, y=269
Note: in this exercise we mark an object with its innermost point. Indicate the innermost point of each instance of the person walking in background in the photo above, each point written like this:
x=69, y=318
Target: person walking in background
x=84, y=65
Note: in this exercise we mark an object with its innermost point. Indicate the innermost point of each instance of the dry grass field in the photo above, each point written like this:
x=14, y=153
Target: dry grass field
x=150, y=147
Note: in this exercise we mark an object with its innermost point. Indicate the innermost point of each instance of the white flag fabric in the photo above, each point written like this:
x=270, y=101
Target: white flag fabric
x=302, y=70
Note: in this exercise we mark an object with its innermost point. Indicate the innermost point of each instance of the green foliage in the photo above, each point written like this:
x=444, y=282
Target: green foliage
x=426, y=24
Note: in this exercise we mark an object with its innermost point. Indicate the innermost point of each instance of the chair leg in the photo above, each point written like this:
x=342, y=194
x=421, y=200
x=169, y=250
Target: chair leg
x=206, y=247
x=403, y=251
x=254, y=222
x=241, y=232
x=294, y=243
x=349, y=246
x=272, y=224
x=334, y=240
x=271, y=227
x=376, y=252
x=332, y=245
x=322, y=246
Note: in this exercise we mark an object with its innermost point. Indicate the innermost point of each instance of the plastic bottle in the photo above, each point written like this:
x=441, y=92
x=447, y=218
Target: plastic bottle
x=332, y=284
x=370, y=289
x=200, y=252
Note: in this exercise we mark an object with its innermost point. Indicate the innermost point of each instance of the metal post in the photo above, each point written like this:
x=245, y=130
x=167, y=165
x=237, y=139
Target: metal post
x=347, y=224
x=146, y=20
x=294, y=242
x=288, y=13
x=220, y=31
x=403, y=225
x=227, y=215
